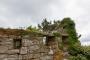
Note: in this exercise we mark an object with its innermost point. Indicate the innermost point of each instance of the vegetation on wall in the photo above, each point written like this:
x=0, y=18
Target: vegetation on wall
x=45, y=26
x=56, y=34
x=69, y=26
x=66, y=23
x=76, y=51
x=48, y=26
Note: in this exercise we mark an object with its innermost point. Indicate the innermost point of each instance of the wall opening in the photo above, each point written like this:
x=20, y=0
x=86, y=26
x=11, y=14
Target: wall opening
x=50, y=40
x=17, y=43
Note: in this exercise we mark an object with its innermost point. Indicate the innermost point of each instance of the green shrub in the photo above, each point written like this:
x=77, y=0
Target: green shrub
x=56, y=34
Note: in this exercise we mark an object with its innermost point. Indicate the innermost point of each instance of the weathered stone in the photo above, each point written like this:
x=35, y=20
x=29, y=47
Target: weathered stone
x=46, y=57
x=10, y=47
x=13, y=51
x=30, y=56
x=36, y=55
x=25, y=42
x=3, y=49
x=12, y=57
x=35, y=42
x=43, y=54
x=2, y=56
x=23, y=50
x=25, y=57
x=34, y=47
x=31, y=42
x=31, y=51
x=43, y=50
x=20, y=57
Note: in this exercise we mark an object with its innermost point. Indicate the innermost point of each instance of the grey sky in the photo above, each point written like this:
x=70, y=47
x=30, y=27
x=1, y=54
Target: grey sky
x=15, y=13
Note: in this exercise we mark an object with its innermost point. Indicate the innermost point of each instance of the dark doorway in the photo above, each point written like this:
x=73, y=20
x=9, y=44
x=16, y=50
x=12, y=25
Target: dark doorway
x=17, y=43
x=50, y=40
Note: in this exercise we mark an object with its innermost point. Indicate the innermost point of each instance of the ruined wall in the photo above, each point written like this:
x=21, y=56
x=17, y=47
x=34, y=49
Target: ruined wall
x=32, y=49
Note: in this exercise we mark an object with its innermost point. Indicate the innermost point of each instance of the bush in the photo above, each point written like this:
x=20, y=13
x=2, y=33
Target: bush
x=78, y=57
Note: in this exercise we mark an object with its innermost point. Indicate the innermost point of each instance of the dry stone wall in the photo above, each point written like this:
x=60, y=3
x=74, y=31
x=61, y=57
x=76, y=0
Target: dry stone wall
x=32, y=49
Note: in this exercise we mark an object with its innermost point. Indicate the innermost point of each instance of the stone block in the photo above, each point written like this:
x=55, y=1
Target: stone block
x=46, y=57
x=3, y=49
x=25, y=42
x=3, y=56
x=10, y=47
x=34, y=47
x=35, y=42
x=13, y=51
x=30, y=56
x=36, y=55
x=23, y=50
x=43, y=50
x=25, y=57
x=13, y=57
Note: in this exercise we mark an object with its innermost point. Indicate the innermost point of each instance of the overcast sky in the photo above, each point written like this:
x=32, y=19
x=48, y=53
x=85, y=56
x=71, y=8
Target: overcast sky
x=20, y=13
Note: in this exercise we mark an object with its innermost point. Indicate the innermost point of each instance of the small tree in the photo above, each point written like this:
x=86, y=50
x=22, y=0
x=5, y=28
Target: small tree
x=45, y=25
x=69, y=25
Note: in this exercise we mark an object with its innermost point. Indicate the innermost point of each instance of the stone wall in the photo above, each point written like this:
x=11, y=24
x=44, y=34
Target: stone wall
x=32, y=48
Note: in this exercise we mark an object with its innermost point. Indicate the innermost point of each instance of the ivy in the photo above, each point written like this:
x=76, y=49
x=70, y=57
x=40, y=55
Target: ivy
x=69, y=26
x=56, y=34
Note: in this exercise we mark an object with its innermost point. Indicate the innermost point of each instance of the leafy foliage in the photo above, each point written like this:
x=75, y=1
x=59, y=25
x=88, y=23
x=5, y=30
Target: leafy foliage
x=80, y=53
x=78, y=57
x=45, y=25
x=69, y=26
x=56, y=34
x=76, y=51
